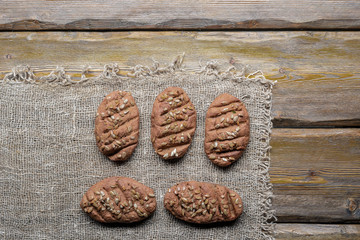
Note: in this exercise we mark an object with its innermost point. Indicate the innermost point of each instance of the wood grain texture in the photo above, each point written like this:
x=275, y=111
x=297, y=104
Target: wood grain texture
x=316, y=175
x=317, y=72
x=180, y=14
x=317, y=231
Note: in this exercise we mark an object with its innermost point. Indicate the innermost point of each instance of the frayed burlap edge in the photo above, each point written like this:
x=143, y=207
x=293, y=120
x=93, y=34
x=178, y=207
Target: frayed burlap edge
x=25, y=74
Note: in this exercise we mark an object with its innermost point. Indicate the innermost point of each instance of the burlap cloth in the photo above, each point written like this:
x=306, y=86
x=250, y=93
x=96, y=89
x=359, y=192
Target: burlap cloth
x=49, y=157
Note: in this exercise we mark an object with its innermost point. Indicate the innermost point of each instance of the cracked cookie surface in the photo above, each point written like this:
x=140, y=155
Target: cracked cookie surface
x=227, y=130
x=117, y=126
x=173, y=123
x=119, y=200
x=203, y=202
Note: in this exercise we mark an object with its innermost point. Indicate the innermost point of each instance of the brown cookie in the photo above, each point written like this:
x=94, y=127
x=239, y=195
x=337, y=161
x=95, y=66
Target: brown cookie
x=117, y=126
x=202, y=202
x=173, y=123
x=227, y=130
x=119, y=199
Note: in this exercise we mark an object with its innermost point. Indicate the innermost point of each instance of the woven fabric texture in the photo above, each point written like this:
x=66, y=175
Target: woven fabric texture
x=49, y=158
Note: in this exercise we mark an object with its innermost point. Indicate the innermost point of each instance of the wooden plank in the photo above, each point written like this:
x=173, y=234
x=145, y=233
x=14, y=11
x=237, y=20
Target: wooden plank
x=316, y=175
x=317, y=72
x=180, y=14
x=317, y=231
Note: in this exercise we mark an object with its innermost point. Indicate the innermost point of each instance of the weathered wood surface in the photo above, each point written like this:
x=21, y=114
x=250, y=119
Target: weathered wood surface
x=317, y=72
x=317, y=231
x=180, y=14
x=316, y=175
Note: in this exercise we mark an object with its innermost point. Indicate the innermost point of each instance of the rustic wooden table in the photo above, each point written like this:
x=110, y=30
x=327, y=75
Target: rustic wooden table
x=312, y=48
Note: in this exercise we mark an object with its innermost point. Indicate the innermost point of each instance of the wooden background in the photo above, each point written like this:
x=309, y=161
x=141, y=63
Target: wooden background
x=312, y=48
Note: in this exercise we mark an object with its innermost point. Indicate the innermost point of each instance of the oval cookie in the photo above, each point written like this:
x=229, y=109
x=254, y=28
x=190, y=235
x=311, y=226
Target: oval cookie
x=119, y=199
x=117, y=126
x=202, y=202
x=227, y=130
x=173, y=123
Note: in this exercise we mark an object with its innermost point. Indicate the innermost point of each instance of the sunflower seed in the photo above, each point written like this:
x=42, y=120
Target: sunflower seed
x=173, y=153
x=139, y=213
